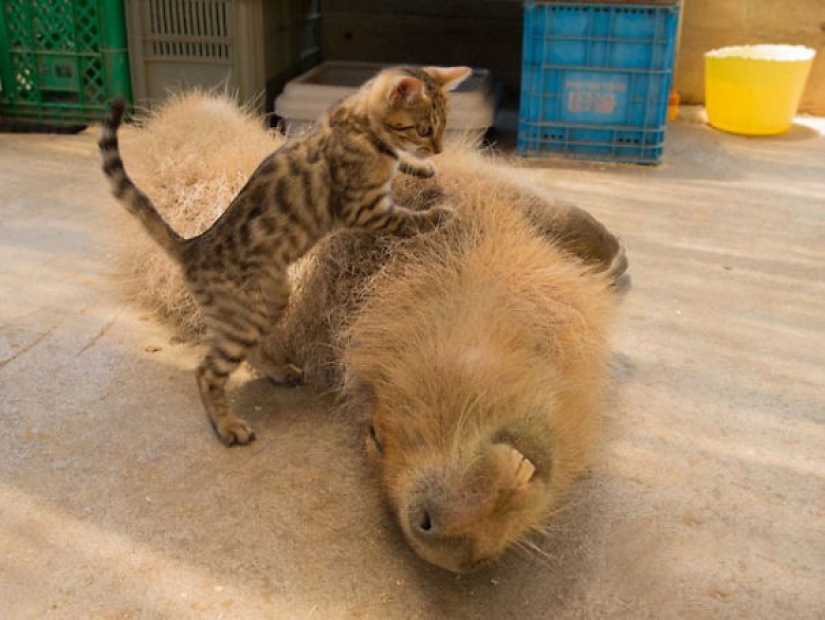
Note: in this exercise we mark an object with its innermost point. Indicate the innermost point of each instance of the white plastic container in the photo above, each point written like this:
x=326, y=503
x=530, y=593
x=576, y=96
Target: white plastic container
x=306, y=98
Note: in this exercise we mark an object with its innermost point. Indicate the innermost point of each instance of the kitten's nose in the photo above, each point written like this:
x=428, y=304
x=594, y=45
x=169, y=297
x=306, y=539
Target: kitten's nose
x=437, y=146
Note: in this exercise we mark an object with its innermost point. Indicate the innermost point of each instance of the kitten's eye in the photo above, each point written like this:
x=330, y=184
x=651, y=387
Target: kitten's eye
x=425, y=132
x=374, y=439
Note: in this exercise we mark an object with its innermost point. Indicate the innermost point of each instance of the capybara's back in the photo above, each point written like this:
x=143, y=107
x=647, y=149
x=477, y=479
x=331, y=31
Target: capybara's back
x=479, y=357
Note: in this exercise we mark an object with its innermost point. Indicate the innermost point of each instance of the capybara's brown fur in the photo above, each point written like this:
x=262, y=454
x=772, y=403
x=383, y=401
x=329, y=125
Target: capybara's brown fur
x=479, y=357
x=476, y=354
x=330, y=281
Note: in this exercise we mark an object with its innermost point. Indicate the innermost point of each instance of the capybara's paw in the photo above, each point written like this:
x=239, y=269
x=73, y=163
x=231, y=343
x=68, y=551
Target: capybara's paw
x=292, y=375
x=284, y=374
x=233, y=430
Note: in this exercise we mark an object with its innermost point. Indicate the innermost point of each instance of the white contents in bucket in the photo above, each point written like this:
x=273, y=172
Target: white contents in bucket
x=781, y=53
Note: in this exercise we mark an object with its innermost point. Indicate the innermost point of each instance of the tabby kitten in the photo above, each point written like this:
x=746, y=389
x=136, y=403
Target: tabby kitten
x=336, y=176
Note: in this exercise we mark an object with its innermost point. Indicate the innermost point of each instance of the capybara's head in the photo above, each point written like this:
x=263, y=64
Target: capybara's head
x=479, y=368
x=467, y=471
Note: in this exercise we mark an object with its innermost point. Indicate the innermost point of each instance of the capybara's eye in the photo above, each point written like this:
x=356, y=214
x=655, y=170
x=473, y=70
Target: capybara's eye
x=374, y=439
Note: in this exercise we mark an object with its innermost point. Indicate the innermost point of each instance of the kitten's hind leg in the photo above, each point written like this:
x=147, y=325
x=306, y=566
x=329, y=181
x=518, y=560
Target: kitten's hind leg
x=274, y=289
x=212, y=374
x=234, y=327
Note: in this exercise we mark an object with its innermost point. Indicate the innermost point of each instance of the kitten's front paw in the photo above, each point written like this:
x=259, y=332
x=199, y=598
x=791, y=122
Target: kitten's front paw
x=420, y=169
x=427, y=169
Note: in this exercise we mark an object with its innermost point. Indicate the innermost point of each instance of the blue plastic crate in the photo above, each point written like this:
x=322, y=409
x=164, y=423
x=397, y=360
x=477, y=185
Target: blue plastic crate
x=596, y=79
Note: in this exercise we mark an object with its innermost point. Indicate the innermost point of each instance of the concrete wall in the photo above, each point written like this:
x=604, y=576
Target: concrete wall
x=487, y=33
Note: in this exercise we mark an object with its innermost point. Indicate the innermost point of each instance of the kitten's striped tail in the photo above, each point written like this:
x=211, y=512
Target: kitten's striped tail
x=126, y=191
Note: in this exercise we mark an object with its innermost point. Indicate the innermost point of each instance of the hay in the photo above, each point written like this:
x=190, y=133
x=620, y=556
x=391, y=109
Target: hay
x=191, y=156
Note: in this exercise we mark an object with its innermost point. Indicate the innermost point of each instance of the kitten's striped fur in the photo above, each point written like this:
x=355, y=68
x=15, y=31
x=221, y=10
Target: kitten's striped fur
x=337, y=176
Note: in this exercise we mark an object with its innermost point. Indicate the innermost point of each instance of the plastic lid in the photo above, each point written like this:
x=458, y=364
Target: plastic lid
x=782, y=53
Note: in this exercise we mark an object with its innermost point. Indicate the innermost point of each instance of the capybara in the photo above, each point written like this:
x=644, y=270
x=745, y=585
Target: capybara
x=476, y=355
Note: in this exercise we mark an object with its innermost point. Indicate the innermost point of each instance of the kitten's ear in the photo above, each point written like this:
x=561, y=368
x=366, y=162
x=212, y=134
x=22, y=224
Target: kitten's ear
x=449, y=77
x=405, y=91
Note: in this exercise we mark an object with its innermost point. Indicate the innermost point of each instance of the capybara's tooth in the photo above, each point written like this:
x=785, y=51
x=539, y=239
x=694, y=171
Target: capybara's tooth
x=524, y=472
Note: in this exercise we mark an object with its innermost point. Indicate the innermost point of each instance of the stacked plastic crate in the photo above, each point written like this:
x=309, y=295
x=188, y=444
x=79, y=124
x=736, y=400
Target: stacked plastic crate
x=248, y=47
x=60, y=62
x=596, y=79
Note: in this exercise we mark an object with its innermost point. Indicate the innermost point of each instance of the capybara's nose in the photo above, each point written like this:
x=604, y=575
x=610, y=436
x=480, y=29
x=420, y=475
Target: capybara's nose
x=424, y=521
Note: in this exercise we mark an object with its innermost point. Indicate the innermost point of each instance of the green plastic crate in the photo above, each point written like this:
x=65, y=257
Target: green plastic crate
x=61, y=61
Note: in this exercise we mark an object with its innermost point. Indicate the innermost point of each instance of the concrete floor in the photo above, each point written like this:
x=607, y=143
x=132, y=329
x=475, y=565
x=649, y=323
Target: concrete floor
x=706, y=501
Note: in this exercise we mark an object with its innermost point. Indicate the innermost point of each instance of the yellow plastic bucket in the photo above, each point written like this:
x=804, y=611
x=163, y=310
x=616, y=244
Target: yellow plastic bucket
x=755, y=89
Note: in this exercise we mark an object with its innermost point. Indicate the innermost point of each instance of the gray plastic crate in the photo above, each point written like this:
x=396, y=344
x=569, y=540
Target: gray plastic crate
x=239, y=44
